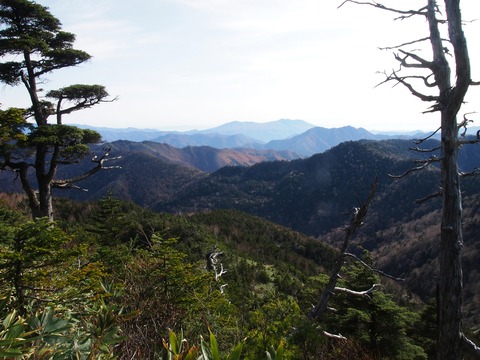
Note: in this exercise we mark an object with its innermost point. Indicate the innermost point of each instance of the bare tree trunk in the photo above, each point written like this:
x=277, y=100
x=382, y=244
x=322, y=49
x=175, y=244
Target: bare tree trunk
x=44, y=181
x=451, y=239
x=450, y=341
x=356, y=222
x=451, y=243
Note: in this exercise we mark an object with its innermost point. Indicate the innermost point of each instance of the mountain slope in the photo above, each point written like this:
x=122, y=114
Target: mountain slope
x=208, y=139
x=151, y=172
x=318, y=139
x=279, y=129
x=204, y=158
x=307, y=194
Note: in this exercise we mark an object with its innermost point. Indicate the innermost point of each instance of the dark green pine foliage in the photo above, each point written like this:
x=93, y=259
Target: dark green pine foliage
x=381, y=326
x=33, y=45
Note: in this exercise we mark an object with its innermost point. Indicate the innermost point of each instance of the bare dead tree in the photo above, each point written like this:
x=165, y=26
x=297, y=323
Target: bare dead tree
x=214, y=264
x=356, y=221
x=450, y=90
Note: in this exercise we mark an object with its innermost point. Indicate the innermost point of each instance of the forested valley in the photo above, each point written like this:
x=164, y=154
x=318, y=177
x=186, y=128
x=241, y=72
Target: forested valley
x=111, y=279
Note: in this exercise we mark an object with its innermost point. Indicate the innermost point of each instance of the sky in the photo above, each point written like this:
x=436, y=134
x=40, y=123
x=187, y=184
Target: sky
x=197, y=64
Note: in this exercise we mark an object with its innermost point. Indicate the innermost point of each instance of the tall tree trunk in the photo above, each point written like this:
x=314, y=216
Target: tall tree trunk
x=44, y=181
x=451, y=242
x=451, y=239
x=448, y=103
x=45, y=201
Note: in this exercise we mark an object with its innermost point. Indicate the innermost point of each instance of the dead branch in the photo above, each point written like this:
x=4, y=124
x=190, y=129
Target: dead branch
x=69, y=186
x=365, y=293
x=212, y=264
x=469, y=142
x=356, y=221
x=405, y=13
x=464, y=124
x=333, y=336
x=404, y=44
x=100, y=161
x=474, y=172
x=407, y=43
x=403, y=81
x=421, y=62
x=470, y=347
x=417, y=149
x=424, y=164
x=419, y=141
x=425, y=79
x=428, y=197
x=378, y=271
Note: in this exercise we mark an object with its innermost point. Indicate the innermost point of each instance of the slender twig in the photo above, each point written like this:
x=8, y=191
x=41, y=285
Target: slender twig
x=419, y=141
x=417, y=149
x=424, y=164
x=374, y=269
x=429, y=197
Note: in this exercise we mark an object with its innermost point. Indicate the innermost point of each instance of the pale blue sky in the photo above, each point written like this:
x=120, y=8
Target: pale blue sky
x=185, y=64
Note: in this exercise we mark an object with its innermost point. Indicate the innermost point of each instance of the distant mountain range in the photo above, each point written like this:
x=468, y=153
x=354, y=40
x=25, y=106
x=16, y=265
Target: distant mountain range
x=295, y=136
x=262, y=132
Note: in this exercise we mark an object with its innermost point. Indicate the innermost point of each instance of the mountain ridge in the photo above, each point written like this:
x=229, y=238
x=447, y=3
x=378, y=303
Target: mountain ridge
x=296, y=136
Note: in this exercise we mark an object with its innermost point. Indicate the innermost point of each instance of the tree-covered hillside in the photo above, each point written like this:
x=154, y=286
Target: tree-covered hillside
x=309, y=195
x=122, y=276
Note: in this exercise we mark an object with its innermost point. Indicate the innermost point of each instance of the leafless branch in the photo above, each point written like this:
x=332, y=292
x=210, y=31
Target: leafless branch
x=474, y=172
x=464, y=123
x=424, y=164
x=356, y=221
x=99, y=160
x=470, y=347
x=394, y=77
x=365, y=293
x=406, y=13
x=333, y=336
x=212, y=264
x=429, y=197
x=470, y=142
x=374, y=269
x=219, y=273
x=69, y=186
x=417, y=149
x=410, y=43
x=403, y=81
x=404, y=44
x=425, y=79
x=419, y=141
x=421, y=62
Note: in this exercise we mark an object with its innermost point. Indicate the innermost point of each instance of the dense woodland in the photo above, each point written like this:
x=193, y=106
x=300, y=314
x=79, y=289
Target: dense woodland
x=112, y=278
